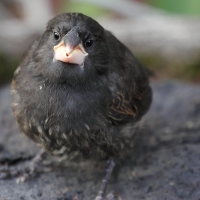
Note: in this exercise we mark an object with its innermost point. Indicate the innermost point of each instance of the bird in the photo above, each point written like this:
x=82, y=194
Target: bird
x=78, y=92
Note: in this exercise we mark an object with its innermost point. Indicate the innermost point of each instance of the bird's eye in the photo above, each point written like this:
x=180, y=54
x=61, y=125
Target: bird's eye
x=56, y=35
x=88, y=43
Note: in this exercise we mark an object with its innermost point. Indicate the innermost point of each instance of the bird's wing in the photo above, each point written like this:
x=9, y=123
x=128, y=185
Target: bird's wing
x=129, y=86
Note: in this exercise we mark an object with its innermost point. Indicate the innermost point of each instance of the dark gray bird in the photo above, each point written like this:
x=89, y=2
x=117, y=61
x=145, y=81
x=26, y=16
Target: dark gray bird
x=78, y=90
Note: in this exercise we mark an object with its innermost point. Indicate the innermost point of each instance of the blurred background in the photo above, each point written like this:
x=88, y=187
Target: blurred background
x=163, y=34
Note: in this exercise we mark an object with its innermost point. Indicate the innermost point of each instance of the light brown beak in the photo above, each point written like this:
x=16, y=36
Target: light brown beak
x=68, y=54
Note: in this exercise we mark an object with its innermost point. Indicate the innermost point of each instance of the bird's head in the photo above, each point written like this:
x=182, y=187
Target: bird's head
x=73, y=48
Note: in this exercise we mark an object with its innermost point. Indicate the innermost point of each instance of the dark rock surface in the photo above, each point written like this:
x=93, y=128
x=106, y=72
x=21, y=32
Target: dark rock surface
x=163, y=165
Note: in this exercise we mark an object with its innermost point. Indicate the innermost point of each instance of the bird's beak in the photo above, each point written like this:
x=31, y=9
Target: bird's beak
x=70, y=49
x=67, y=54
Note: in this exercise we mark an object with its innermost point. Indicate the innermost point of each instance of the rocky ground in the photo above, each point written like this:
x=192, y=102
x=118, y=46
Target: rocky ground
x=163, y=165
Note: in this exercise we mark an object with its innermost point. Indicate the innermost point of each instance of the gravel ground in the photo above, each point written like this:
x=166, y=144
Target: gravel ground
x=163, y=165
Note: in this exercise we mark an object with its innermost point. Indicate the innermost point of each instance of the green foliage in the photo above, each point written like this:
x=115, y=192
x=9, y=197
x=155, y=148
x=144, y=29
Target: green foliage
x=171, y=69
x=188, y=7
x=85, y=8
x=7, y=67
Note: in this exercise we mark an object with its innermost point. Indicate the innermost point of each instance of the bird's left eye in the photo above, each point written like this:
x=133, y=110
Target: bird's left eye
x=56, y=35
x=89, y=43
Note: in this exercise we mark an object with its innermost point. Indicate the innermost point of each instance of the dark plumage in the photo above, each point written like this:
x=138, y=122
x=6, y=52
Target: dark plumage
x=79, y=105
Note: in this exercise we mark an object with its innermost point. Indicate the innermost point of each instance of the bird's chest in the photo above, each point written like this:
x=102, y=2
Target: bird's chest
x=58, y=118
x=73, y=110
x=70, y=109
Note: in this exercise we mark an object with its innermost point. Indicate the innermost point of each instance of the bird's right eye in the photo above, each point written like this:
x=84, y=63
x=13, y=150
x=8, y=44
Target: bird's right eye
x=56, y=35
